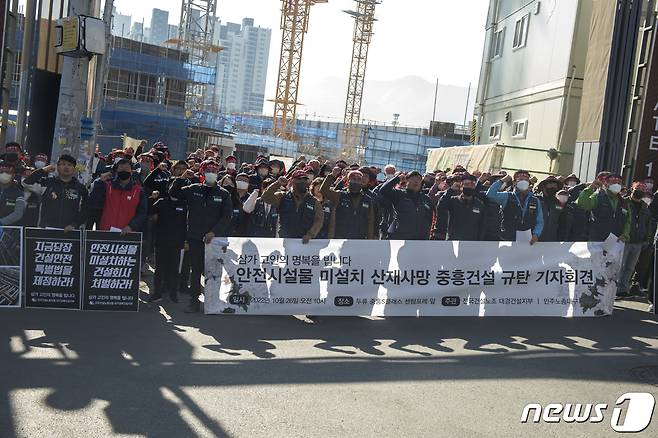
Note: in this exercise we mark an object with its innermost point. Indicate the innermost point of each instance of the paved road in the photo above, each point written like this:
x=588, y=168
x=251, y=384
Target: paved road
x=161, y=373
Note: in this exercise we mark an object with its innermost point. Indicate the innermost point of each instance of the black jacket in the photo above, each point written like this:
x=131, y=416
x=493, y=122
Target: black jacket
x=171, y=226
x=62, y=204
x=209, y=208
x=460, y=219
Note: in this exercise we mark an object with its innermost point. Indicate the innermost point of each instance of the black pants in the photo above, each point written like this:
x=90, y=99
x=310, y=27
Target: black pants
x=197, y=264
x=167, y=259
x=644, y=267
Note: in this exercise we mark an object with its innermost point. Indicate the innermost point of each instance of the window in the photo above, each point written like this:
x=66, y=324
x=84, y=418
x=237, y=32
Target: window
x=494, y=131
x=519, y=128
x=497, y=45
x=521, y=32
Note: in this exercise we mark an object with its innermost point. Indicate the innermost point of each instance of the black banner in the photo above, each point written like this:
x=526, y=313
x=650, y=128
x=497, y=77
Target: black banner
x=52, y=267
x=112, y=269
x=11, y=241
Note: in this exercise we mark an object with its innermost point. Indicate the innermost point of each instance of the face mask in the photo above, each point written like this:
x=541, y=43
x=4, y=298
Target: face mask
x=5, y=178
x=563, y=199
x=614, y=188
x=275, y=171
x=117, y=159
x=124, y=175
x=503, y=186
x=263, y=172
x=145, y=166
x=523, y=185
x=647, y=201
x=355, y=187
x=39, y=164
x=242, y=185
x=230, y=166
x=468, y=191
x=637, y=195
x=571, y=184
x=550, y=192
x=211, y=178
x=11, y=156
x=389, y=176
x=301, y=187
x=649, y=186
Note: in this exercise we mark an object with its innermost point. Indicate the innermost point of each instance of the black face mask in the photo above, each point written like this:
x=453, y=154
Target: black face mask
x=550, y=192
x=468, y=191
x=355, y=187
x=11, y=156
x=638, y=195
x=301, y=187
x=124, y=175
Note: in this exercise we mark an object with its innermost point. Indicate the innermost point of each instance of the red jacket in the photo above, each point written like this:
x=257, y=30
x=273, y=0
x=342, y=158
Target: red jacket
x=120, y=206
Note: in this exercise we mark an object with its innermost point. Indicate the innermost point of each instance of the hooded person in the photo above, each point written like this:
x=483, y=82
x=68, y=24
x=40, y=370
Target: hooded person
x=353, y=209
x=210, y=210
x=522, y=211
x=608, y=210
x=300, y=213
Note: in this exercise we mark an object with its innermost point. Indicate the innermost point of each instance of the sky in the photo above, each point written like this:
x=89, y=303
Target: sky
x=425, y=39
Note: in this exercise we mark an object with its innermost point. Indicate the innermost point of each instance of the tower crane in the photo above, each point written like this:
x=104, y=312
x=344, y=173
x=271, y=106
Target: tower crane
x=294, y=24
x=364, y=18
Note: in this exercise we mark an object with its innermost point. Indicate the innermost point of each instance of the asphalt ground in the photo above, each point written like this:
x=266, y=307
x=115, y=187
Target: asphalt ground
x=164, y=373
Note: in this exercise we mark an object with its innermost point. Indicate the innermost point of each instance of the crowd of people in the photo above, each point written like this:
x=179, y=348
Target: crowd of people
x=180, y=206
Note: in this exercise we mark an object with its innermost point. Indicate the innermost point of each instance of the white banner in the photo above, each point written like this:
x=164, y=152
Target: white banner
x=410, y=278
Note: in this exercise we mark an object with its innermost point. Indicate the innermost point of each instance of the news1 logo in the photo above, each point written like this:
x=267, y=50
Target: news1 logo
x=638, y=412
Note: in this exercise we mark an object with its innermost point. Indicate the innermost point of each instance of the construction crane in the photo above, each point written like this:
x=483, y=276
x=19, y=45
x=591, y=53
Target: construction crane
x=294, y=24
x=364, y=18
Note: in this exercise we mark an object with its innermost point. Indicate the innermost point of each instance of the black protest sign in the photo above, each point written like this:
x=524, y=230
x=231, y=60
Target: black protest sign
x=11, y=244
x=52, y=268
x=112, y=268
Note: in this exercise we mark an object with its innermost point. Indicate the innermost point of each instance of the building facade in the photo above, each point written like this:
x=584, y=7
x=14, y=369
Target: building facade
x=159, y=31
x=242, y=66
x=531, y=81
x=144, y=96
x=121, y=24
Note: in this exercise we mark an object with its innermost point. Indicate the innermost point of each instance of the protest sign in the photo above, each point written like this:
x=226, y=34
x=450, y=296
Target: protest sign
x=11, y=247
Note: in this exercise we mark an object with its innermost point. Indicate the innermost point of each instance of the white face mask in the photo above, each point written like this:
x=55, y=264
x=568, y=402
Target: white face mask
x=649, y=186
x=563, y=199
x=242, y=185
x=39, y=164
x=211, y=178
x=614, y=188
x=5, y=178
x=571, y=184
x=647, y=201
x=523, y=185
x=230, y=166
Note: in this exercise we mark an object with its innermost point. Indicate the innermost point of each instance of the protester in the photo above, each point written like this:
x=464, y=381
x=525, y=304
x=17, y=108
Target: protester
x=12, y=199
x=262, y=218
x=608, y=210
x=209, y=215
x=413, y=209
x=120, y=203
x=639, y=236
x=170, y=233
x=552, y=209
x=64, y=199
x=461, y=216
x=300, y=213
x=353, y=213
x=522, y=211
